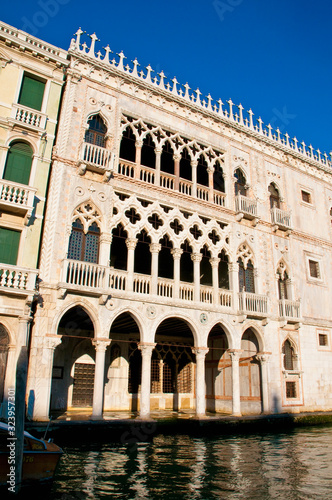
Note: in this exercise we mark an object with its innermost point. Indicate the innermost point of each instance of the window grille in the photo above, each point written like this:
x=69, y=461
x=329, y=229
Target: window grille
x=288, y=356
x=314, y=269
x=291, y=390
x=323, y=340
x=96, y=132
x=306, y=197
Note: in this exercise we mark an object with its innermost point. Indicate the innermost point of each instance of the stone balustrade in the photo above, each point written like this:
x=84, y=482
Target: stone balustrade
x=233, y=116
x=17, y=196
x=246, y=205
x=28, y=117
x=95, y=156
x=253, y=304
x=14, y=279
x=281, y=218
x=290, y=309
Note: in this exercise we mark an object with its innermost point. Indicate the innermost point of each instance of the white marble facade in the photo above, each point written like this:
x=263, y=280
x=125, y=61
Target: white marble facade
x=186, y=257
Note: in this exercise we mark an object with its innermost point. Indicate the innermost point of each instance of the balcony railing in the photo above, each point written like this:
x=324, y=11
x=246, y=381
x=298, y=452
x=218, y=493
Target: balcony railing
x=165, y=287
x=202, y=192
x=186, y=291
x=246, y=206
x=253, y=304
x=289, y=310
x=14, y=279
x=147, y=175
x=167, y=180
x=84, y=274
x=281, y=218
x=95, y=156
x=16, y=197
x=28, y=117
x=219, y=198
x=225, y=298
x=206, y=294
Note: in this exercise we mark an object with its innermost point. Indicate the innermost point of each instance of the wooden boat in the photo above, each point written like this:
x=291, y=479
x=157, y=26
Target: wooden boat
x=40, y=458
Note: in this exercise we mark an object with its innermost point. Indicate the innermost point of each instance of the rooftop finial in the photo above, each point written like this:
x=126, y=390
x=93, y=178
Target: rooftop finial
x=94, y=38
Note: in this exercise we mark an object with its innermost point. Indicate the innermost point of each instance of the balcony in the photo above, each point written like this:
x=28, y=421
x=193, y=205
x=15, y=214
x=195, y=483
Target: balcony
x=252, y=304
x=28, y=118
x=281, y=219
x=16, y=198
x=17, y=280
x=95, y=158
x=290, y=310
x=246, y=207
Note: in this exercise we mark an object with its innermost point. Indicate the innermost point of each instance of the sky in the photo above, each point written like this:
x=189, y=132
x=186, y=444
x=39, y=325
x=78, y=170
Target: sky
x=272, y=56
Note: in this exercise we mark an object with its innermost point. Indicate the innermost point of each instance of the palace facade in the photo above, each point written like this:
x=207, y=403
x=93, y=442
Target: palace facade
x=186, y=254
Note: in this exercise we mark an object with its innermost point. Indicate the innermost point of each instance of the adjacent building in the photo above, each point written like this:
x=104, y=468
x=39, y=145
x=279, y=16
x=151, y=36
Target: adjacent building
x=31, y=79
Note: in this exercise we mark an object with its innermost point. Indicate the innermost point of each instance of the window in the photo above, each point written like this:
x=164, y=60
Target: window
x=9, y=244
x=246, y=277
x=291, y=390
x=288, y=352
x=96, y=132
x=314, y=269
x=323, y=340
x=84, y=247
x=18, y=163
x=306, y=197
x=274, y=196
x=240, y=183
x=32, y=92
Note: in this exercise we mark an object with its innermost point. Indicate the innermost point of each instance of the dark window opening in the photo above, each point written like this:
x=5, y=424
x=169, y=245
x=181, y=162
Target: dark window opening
x=127, y=146
x=323, y=340
x=84, y=247
x=148, y=155
x=142, y=264
x=246, y=277
x=240, y=183
x=291, y=390
x=202, y=173
x=165, y=259
x=314, y=269
x=96, y=132
x=223, y=271
x=205, y=267
x=218, y=178
x=155, y=221
x=186, y=264
x=288, y=352
x=282, y=286
x=185, y=165
x=119, y=250
x=167, y=160
x=306, y=197
x=274, y=196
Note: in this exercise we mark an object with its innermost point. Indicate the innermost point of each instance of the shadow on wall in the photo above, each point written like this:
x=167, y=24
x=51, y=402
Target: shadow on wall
x=276, y=404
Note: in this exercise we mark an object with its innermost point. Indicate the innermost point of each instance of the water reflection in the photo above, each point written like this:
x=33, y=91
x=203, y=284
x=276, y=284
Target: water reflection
x=295, y=465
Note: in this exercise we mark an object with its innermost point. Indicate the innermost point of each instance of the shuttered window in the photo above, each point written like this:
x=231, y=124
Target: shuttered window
x=9, y=243
x=18, y=163
x=32, y=92
x=84, y=247
x=246, y=277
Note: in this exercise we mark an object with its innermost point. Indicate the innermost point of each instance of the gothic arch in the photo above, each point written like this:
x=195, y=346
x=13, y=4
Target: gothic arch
x=182, y=317
x=245, y=252
x=88, y=213
x=88, y=308
x=259, y=333
x=102, y=115
x=135, y=316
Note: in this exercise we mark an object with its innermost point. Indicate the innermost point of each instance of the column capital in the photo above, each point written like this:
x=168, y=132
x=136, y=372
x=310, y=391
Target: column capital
x=263, y=357
x=146, y=348
x=177, y=252
x=235, y=354
x=233, y=266
x=101, y=344
x=158, y=150
x=106, y=238
x=131, y=243
x=177, y=157
x=139, y=143
x=214, y=261
x=196, y=257
x=24, y=319
x=200, y=352
x=52, y=341
x=155, y=247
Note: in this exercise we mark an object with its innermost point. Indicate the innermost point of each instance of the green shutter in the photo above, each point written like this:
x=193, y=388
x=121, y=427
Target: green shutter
x=32, y=93
x=18, y=164
x=9, y=242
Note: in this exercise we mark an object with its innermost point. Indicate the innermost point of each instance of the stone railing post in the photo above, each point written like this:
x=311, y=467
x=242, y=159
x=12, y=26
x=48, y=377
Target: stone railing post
x=131, y=245
x=138, y=145
x=215, y=279
x=176, y=252
x=158, y=152
x=154, y=249
x=176, y=158
x=196, y=258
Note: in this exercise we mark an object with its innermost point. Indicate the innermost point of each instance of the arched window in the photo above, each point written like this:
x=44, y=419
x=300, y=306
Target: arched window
x=167, y=160
x=274, y=196
x=142, y=264
x=240, y=183
x=165, y=259
x=128, y=145
x=96, y=132
x=218, y=178
x=185, y=165
x=18, y=163
x=223, y=270
x=282, y=285
x=84, y=246
x=288, y=352
x=186, y=264
x=246, y=276
x=205, y=267
x=148, y=155
x=119, y=250
x=202, y=173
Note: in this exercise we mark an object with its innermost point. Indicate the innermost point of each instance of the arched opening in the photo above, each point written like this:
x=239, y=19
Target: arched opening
x=167, y=160
x=96, y=131
x=185, y=165
x=282, y=285
x=186, y=263
x=274, y=196
x=119, y=250
x=165, y=259
x=148, y=155
x=240, y=183
x=142, y=262
x=218, y=371
x=4, y=346
x=223, y=270
x=246, y=276
x=128, y=145
x=125, y=365
x=74, y=362
x=18, y=163
x=288, y=352
x=205, y=267
x=250, y=378
x=172, y=366
x=202, y=173
x=84, y=246
x=218, y=178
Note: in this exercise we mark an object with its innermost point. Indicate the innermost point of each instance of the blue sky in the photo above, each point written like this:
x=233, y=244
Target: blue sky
x=273, y=56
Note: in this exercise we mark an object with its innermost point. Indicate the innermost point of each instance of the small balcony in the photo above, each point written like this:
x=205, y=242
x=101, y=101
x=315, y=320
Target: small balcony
x=246, y=207
x=95, y=158
x=28, y=118
x=281, y=219
x=16, y=198
x=290, y=310
x=252, y=304
x=17, y=280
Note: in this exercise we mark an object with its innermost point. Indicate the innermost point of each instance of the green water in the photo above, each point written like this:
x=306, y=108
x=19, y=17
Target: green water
x=292, y=465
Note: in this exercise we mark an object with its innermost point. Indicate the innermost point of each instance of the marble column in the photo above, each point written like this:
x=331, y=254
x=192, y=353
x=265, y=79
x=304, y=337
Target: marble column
x=263, y=360
x=176, y=252
x=98, y=387
x=146, y=351
x=233, y=273
x=211, y=190
x=176, y=171
x=200, y=353
x=138, y=145
x=154, y=249
x=158, y=152
x=105, y=249
x=196, y=258
x=236, y=405
x=194, y=177
x=131, y=245
x=215, y=279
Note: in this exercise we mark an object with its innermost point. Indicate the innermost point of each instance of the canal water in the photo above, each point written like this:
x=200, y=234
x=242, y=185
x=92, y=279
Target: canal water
x=291, y=465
